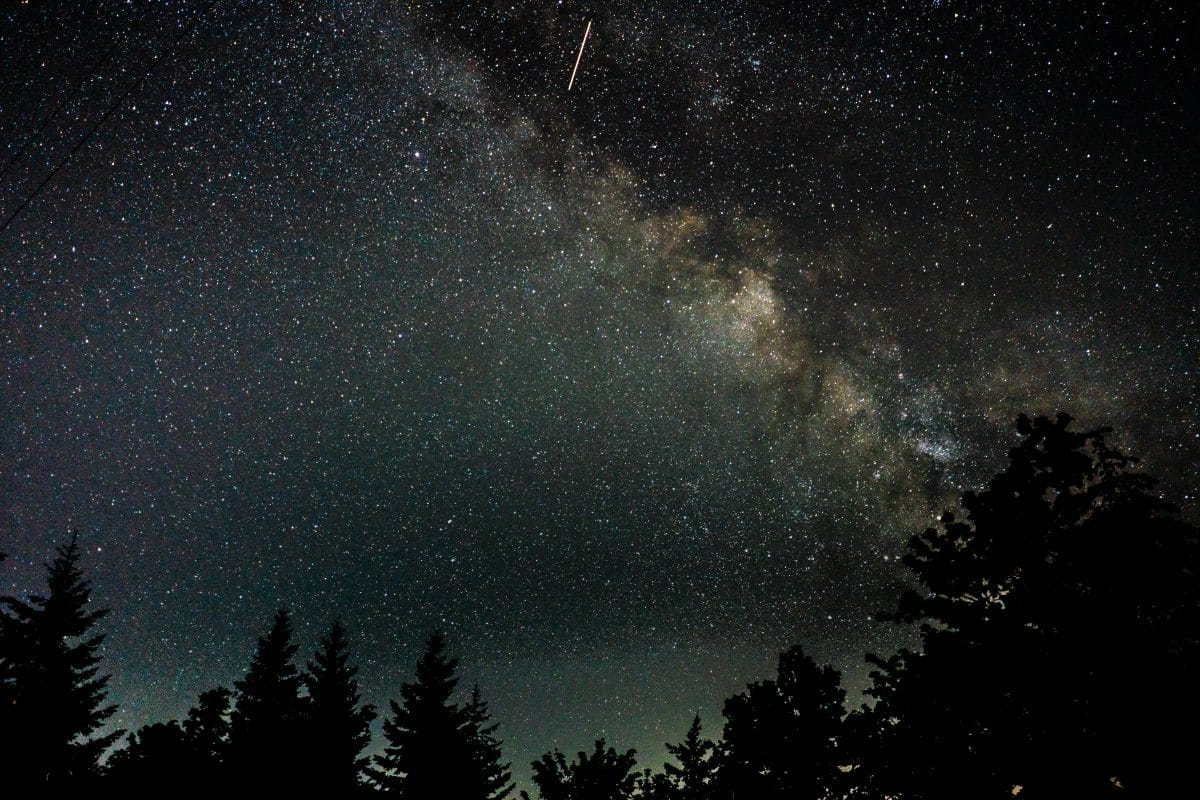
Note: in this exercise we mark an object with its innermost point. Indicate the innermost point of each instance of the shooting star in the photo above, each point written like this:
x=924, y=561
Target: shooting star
x=579, y=57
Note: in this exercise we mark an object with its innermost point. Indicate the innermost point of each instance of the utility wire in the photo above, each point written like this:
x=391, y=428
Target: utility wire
x=70, y=95
x=111, y=110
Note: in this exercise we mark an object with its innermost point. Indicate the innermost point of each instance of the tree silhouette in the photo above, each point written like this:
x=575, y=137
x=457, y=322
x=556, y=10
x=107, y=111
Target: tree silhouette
x=782, y=738
x=207, y=728
x=10, y=661
x=492, y=774
x=425, y=746
x=1059, y=622
x=1046, y=616
x=339, y=726
x=158, y=754
x=53, y=690
x=169, y=754
x=436, y=748
x=267, y=725
x=604, y=775
x=693, y=778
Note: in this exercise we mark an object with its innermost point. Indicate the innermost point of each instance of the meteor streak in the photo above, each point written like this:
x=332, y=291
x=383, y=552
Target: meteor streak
x=579, y=57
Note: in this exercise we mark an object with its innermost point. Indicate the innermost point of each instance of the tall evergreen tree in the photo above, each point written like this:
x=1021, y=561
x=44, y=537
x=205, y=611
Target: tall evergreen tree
x=783, y=737
x=339, y=724
x=425, y=751
x=266, y=745
x=604, y=775
x=492, y=775
x=54, y=691
x=435, y=747
x=694, y=777
x=1046, y=615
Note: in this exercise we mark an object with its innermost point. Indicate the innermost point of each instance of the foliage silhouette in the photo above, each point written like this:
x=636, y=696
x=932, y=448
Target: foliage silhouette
x=492, y=775
x=1049, y=613
x=266, y=733
x=695, y=775
x=158, y=754
x=163, y=755
x=782, y=738
x=604, y=775
x=1047, y=616
x=53, y=689
x=436, y=748
x=339, y=725
x=207, y=728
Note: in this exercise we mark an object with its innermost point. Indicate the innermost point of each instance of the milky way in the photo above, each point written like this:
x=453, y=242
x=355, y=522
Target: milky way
x=355, y=309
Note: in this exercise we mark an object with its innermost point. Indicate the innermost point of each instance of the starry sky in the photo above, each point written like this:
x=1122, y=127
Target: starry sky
x=352, y=307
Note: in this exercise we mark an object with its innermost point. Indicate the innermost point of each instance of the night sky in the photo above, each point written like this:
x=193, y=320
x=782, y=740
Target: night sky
x=352, y=307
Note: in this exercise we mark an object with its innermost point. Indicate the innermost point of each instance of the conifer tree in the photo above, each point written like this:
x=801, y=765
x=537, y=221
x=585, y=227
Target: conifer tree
x=339, y=725
x=266, y=727
x=694, y=776
x=492, y=775
x=425, y=750
x=54, y=691
x=435, y=747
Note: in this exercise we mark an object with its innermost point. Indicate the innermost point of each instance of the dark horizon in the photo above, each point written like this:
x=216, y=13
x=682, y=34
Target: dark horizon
x=1038, y=608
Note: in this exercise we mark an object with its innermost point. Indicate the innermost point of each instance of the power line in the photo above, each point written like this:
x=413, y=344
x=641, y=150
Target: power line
x=70, y=95
x=111, y=110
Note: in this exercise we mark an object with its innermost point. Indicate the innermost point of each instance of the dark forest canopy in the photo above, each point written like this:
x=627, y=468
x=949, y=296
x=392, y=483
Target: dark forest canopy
x=1058, y=614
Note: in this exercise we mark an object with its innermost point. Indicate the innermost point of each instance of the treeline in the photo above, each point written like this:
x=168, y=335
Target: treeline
x=1059, y=626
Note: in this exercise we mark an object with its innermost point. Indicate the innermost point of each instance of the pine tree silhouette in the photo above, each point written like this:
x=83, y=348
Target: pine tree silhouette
x=266, y=748
x=424, y=743
x=339, y=725
x=782, y=738
x=693, y=778
x=53, y=687
x=1046, y=615
x=436, y=748
x=493, y=776
x=604, y=775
